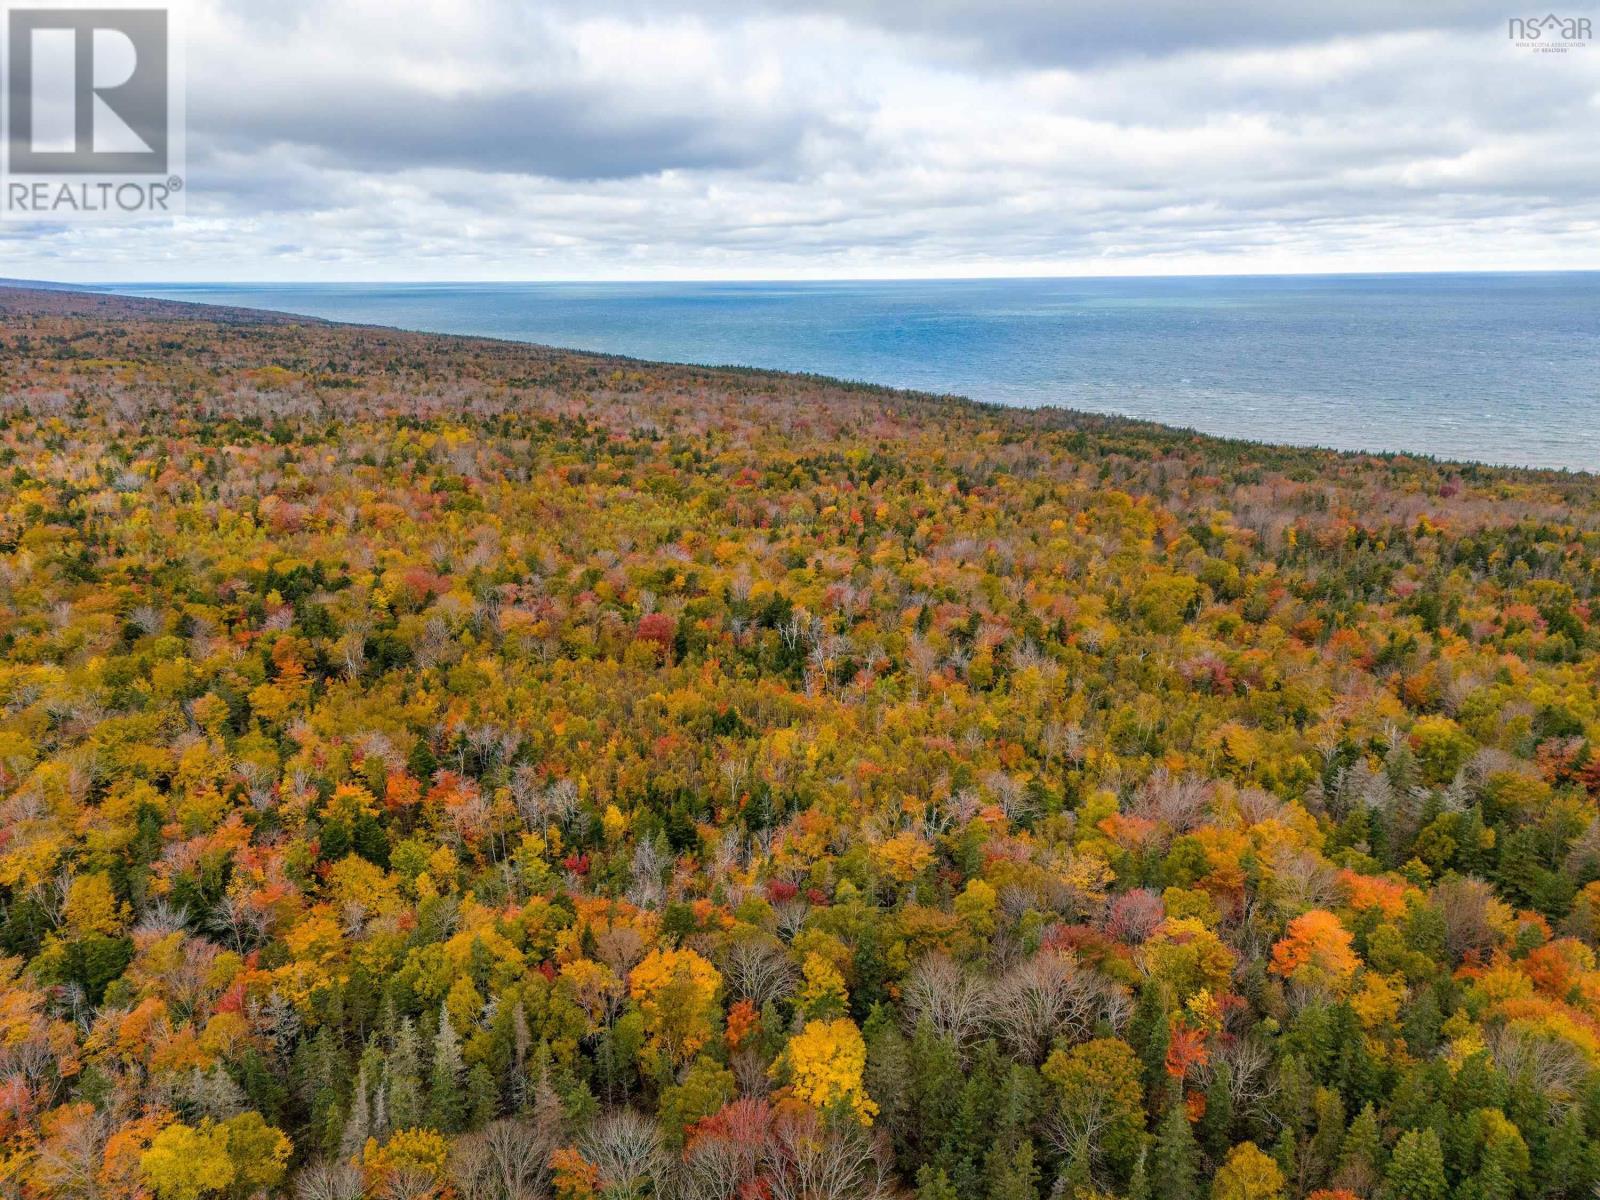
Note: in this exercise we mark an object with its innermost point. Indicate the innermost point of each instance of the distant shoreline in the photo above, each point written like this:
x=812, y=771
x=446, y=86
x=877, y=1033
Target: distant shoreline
x=95, y=302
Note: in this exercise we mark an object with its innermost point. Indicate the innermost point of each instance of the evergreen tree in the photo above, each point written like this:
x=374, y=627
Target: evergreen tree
x=1518, y=869
x=1416, y=1171
x=324, y=1074
x=1362, y=1156
x=1012, y=1172
x=973, y=1131
x=934, y=1184
x=1322, y=1153
x=358, y=1125
x=1175, y=1161
x=1490, y=1183
x=936, y=1089
x=403, y=1078
x=1570, y=1162
x=1286, y=1153
x=1420, y=1023
x=482, y=1098
x=447, y=1107
x=1216, y=1123
x=1139, y=1182
x=1149, y=1034
x=1472, y=841
x=1075, y=1174
x=1296, y=1089
x=889, y=1079
x=421, y=762
x=1357, y=1074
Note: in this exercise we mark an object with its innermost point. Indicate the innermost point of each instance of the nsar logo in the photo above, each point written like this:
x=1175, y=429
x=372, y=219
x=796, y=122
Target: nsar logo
x=1550, y=34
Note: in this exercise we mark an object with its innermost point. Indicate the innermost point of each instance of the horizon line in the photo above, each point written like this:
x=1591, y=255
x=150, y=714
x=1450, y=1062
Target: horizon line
x=817, y=279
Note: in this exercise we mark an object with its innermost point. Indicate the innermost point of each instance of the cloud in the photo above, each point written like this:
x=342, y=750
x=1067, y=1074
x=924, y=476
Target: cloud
x=581, y=99
x=566, y=133
x=1089, y=32
x=694, y=138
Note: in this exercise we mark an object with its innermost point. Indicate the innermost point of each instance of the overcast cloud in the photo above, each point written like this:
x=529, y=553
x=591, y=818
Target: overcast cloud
x=388, y=139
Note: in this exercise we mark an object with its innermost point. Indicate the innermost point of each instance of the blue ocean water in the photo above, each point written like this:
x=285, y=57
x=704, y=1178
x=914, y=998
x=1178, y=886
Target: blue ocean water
x=1500, y=368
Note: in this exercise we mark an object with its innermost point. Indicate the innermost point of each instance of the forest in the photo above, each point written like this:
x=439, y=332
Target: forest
x=445, y=768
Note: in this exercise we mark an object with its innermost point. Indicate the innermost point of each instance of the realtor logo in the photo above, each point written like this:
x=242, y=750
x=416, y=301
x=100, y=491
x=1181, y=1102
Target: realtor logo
x=93, y=113
x=88, y=91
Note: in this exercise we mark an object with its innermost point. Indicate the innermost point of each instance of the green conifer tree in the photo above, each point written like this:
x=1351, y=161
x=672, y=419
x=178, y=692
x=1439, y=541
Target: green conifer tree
x=447, y=1106
x=1174, y=1166
x=1416, y=1170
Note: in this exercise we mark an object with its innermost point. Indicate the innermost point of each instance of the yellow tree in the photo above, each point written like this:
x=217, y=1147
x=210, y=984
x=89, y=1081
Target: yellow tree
x=822, y=995
x=185, y=1163
x=1187, y=957
x=676, y=991
x=1247, y=1174
x=826, y=1060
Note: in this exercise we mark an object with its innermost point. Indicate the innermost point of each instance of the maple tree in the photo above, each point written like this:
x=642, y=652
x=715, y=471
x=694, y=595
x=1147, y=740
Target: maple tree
x=1316, y=948
x=825, y=1062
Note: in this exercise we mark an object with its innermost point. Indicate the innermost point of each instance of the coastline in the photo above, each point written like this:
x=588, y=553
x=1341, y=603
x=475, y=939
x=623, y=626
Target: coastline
x=87, y=302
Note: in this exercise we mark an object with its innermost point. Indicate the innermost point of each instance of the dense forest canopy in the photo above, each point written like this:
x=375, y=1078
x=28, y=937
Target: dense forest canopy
x=441, y=767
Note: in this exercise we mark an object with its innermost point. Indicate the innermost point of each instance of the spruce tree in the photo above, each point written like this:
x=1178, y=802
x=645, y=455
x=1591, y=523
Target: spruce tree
x=482, y=1098
x=1175, y=1162
x=403, y=1078
x=1286, y=1153
x=1322, y=1155
x=1139, y=1183
x=1216, y=1123
x=1012, y=1172
x=446, y=1104
x=1570, y=1163
x=358, y=1125
x=936, y=1091
x=889, y=1076
x=1416, y=1172
x=1149, y=1034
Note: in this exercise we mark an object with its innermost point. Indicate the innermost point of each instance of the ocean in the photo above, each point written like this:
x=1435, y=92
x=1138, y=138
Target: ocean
x=1497, y=368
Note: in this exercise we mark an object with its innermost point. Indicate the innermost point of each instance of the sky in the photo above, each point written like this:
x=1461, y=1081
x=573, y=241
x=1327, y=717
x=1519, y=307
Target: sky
x=695, y=139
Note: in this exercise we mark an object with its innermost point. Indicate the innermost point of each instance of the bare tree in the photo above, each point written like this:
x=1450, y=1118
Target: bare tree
x=626, y=1148
x=620, y=948
x=242, y=922
x=409, y=1183
x=750, y=1071
x=1301, y=880
x=1555, y=1068
x=1045, y=997
x=1010, y=793
x=1179, y=804
x=1134, y=915
x=757, y=969
x=68, y=1163
x=811, y=1158
x=953, y=1001
x=506, y=1160
x=724, y=1160
x=1252, y=1079
x=329, y=1181
x=645, y=890
x=1468, y=906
